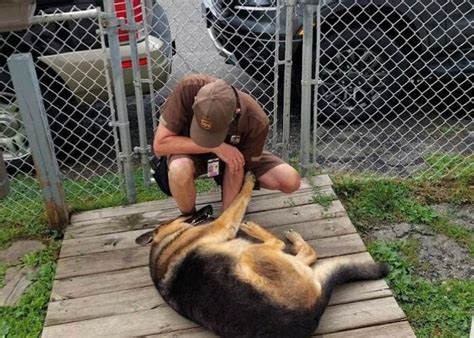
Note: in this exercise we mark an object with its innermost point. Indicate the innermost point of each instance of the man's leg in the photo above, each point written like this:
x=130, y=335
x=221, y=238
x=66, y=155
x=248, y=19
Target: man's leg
x=231, y=185
x=181, y=180
x=282, y=177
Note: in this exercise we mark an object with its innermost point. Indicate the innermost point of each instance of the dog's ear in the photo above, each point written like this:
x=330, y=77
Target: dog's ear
x=145, y=238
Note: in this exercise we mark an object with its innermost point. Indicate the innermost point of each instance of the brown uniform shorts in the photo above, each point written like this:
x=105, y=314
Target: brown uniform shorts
x=266, y=162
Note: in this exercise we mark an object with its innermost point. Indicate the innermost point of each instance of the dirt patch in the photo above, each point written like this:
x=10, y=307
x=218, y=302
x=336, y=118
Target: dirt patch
x=17, y=250
x=440, y=257
x=459, y=215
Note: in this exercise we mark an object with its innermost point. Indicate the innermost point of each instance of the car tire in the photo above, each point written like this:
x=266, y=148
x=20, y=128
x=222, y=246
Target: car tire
x=361, y=73
x=65, y=120
x=13, y=141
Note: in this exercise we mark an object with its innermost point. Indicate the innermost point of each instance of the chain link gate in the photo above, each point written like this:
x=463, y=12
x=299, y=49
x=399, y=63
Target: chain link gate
x=71, y=62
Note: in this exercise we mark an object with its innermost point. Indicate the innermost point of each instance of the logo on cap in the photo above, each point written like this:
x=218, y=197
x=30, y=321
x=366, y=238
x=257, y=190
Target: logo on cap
x=206, y=124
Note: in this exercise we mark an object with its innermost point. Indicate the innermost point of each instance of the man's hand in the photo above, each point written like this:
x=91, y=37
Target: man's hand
x=231, y=156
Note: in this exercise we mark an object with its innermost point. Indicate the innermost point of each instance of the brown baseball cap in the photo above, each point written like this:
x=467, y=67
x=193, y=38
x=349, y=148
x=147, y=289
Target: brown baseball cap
x=214, y=107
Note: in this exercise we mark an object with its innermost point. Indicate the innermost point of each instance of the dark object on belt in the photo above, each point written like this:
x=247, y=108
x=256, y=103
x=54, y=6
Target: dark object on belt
x=159, y=166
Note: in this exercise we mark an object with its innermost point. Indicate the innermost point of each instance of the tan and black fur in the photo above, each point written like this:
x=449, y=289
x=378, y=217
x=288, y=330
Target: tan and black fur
x=238, y=288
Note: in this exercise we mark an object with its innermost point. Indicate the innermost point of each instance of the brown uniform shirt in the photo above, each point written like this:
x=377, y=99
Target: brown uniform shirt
x=251, y=128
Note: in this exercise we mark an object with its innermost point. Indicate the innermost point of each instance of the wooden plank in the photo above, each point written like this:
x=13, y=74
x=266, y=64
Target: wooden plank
x=327, y=227
x=318, y=181
x=88, y=285
x=337, y=246
x=358, y=291
x=297, y=214
x=151, y=218
x=198, y=332
x=147, y=298
x=102, y=262
x=360, y=314
x=164, y=320
x=138, y=323
x=125, y=240
x=99, y=262
x=392, y=330
x=108, y=304
x=100, y=243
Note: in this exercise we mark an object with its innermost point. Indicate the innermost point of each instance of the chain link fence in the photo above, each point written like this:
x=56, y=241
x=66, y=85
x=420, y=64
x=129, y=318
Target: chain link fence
x=393, y=87
x=70, y=61
x=391, y=84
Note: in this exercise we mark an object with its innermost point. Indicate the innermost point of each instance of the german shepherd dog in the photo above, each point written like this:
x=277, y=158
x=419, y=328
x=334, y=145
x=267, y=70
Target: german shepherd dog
x=239, y=288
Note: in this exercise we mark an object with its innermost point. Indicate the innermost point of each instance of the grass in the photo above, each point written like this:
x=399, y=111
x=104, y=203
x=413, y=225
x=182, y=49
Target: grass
x=371, y=202
x=434, y=309
x=26, y=318
x=383, y=200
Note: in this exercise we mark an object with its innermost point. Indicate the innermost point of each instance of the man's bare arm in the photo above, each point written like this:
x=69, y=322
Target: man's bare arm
x=168, y=143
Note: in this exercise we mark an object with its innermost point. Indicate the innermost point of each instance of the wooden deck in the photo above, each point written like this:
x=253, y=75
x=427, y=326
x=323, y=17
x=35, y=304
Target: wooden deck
x=102, y=285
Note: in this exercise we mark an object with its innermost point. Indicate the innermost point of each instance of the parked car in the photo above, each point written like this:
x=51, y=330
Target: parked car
x=370, y=50
x=71, y=72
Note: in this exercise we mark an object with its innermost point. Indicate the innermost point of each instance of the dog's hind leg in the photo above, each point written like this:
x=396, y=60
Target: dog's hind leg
x=257, y=231
x=302, y=250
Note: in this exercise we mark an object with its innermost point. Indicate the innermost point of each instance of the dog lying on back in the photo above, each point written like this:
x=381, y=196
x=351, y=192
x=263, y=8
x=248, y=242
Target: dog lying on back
x=237, y=288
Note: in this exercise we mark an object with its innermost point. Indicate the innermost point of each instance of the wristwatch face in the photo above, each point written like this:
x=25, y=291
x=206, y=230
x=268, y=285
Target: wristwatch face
x=235, y=139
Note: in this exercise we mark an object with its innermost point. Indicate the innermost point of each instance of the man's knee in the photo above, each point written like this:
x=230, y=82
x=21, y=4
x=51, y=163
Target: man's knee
x=291, y=181
x=282, y=177
x=180, y=170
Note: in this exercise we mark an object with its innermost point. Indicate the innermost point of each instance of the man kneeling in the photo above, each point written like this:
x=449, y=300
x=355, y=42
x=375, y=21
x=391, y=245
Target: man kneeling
x=208, y=127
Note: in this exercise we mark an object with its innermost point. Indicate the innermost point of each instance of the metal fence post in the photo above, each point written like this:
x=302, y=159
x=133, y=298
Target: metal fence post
x=120, y=100
x=143, y=149
x=33, y=113
x=290, y=8
x=4, y=185
x=306, y=83
x=316, y=82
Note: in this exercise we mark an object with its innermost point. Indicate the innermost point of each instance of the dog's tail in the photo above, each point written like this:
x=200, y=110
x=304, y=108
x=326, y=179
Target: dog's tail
x=340, y=270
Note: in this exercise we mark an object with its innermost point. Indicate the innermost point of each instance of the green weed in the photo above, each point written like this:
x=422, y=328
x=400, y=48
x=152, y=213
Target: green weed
x=449, y=165
x=323, y=200
x=319, y=197
x=3, y=270
x=290, y=202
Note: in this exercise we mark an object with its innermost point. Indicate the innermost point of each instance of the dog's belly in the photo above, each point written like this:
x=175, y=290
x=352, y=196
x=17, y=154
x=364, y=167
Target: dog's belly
x=206, y=289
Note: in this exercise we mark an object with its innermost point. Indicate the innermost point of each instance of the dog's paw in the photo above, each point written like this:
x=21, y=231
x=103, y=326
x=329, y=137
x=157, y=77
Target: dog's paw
x=293, y=236
x=247, y=226
x=250, y=177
